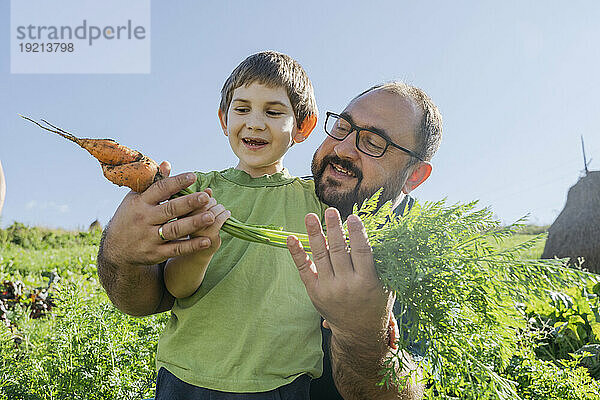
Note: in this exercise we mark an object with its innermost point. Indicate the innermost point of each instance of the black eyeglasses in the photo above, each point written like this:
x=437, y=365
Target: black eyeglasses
x=371, y=143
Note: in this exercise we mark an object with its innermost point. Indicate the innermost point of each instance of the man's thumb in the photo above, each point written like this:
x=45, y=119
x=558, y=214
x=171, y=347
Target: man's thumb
x=165, y=168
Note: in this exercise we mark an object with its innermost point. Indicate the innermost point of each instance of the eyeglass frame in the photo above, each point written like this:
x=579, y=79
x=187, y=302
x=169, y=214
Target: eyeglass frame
x=358, y=129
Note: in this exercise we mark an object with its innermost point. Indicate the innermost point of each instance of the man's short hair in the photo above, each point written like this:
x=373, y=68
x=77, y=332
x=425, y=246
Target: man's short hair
x=429, y=134
x=273, y=69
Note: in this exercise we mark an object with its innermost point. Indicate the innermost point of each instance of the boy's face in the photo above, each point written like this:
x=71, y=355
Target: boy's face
x=261, y=126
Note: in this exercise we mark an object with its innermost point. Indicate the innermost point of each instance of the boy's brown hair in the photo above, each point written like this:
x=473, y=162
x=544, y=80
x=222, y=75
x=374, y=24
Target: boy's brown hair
x=273, y=69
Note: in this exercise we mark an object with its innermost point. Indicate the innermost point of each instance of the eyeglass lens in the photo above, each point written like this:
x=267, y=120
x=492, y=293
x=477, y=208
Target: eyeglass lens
x=368, y=142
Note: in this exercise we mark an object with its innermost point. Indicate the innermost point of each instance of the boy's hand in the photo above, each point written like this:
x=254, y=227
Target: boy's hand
x=211, y=231
x=184, y=275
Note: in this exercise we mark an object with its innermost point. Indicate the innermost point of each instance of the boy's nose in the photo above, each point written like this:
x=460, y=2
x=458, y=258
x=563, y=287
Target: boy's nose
x=255, y=121
x=346, y=148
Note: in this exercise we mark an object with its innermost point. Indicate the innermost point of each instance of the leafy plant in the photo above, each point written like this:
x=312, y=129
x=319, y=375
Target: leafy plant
x=86, y=350
x=546, y=380
x=457, y=292
x=569, y=323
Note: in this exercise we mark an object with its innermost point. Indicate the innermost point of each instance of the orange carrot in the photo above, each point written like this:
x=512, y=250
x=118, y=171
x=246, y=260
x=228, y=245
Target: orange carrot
x=120, y=165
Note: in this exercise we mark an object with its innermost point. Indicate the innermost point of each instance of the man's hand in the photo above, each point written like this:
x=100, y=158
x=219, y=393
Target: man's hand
x=131, y=249
x=342, y=283
x=132, y=237
x=344, y=287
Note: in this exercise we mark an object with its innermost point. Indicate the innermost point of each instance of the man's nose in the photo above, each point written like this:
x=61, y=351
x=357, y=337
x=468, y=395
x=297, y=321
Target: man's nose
x=255, y=121
x=347, y=148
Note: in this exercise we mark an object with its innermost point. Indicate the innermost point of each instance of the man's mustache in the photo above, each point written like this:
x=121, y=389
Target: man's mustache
x=344, y=163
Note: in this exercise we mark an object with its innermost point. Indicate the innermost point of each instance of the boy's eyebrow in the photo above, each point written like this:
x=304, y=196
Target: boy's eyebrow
x=270, y=103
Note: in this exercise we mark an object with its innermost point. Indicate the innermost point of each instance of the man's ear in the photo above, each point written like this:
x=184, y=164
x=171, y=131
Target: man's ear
x=420, y=173
x=222, y=121
x=306, y=128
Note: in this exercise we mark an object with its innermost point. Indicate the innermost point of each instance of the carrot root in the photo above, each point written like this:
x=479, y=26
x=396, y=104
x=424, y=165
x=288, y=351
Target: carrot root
x=120, y=164
x=137, y=176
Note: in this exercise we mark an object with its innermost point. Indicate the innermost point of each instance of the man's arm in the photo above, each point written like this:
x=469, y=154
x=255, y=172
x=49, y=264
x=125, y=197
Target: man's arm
x=132, y=254
x=344, y=287
x=136, y=290
x=357, y=364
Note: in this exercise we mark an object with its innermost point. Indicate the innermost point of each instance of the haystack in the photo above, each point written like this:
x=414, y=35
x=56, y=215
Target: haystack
x=95, y=226
x=576, y=231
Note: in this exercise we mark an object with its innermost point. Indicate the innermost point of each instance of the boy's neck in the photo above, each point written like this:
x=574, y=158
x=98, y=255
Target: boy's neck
x=262, y=171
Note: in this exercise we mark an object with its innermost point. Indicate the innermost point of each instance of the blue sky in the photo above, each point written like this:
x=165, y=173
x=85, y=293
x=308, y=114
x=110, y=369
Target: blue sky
x=516, y=83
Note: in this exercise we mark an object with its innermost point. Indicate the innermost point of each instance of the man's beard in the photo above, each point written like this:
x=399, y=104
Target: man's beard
x=344, y=201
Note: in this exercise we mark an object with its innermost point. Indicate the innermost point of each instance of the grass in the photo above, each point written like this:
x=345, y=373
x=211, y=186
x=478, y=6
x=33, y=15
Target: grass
x=80, y=259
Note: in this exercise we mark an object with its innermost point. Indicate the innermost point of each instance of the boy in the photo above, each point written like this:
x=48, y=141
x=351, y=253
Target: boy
x=242, y=321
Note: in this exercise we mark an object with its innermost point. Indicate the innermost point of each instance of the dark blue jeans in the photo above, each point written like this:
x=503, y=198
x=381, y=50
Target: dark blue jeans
x=169, y=387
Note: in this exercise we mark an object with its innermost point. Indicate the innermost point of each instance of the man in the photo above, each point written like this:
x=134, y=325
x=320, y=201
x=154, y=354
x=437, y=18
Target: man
x=384, y=138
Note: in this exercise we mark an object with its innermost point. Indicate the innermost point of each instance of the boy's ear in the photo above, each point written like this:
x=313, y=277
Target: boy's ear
x=306, y=128
x=419, y=175
x=222, y=121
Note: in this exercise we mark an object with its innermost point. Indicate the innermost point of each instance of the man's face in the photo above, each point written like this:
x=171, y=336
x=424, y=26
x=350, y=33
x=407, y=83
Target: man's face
x=344, y=175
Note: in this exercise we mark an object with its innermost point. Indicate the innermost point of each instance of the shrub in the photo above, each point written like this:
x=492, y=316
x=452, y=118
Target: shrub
x=544, y=380
x=36, y=238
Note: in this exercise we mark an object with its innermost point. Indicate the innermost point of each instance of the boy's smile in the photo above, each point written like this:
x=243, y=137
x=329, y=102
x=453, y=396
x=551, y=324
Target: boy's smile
x=260, y=126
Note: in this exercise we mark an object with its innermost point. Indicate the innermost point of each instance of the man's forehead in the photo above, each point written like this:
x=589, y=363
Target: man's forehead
x=391, y=112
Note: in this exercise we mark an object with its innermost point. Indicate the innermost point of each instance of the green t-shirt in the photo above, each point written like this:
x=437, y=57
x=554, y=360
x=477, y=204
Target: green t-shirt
x=250, y=327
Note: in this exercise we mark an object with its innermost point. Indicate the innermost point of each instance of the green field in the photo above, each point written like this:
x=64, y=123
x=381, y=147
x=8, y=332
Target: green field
x=81, y=347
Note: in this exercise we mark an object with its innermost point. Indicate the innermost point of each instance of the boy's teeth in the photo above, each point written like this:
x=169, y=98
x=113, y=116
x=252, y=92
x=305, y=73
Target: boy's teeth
x=254, y=141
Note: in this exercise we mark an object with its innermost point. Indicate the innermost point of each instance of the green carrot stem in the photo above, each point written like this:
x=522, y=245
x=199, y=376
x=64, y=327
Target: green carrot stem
x=270, y=232
x=264, y=234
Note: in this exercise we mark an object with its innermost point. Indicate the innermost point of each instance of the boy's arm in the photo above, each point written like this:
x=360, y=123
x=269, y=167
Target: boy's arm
x=184, y=274
x=345, y=289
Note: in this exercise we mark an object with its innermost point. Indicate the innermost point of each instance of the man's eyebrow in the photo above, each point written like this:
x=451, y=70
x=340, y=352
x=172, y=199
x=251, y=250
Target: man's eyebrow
x=380, y=131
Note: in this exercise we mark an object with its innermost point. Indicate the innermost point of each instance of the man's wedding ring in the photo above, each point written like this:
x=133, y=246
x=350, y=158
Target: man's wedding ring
x=160, y=233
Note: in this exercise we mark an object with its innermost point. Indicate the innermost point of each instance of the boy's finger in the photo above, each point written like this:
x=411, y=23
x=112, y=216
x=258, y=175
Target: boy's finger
x=165, y=188
x=179, y=207
x=221, y=218
x=318, y=246
x=338, y=249
x=221, y=214
x=361, y=252
x=306, y=268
